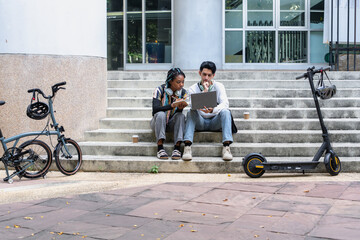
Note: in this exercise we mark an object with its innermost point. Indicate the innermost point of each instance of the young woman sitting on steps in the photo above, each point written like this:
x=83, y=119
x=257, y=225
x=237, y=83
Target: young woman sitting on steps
x=167, y=106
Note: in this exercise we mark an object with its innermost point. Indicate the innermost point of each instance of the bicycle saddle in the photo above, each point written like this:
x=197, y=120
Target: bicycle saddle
x=37, y=110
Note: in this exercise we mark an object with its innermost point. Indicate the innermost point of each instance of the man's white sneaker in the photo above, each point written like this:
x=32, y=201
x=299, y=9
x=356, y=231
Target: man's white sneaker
x=226, y=154
x=187, y=156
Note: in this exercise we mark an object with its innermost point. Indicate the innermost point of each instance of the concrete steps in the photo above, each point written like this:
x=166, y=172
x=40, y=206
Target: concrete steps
x=249, y=102
x=113, y=163
x=353, y=112
x=249, y=124
x=242, y=136
x=214, y=149
x=283, y=122
x=241, y=92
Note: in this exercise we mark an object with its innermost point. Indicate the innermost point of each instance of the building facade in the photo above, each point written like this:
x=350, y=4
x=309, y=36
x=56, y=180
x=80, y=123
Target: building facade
x=45, y=42
x=235, y=34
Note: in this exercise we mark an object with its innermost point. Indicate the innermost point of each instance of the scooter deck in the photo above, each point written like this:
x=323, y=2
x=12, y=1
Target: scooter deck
x=288, y=165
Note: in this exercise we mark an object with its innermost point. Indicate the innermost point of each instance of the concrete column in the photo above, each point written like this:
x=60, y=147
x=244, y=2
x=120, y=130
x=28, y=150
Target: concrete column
x=44, y=42
x=197, y=33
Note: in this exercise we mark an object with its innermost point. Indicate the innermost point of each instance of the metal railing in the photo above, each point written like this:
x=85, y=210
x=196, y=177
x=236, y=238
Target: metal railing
x=350, y=48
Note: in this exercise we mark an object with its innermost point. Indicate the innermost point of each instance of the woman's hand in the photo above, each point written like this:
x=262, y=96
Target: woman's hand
x=179, y=103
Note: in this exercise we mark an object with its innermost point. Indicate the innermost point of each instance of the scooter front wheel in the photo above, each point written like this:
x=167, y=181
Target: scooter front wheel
x=332, y=164
x=253, y=165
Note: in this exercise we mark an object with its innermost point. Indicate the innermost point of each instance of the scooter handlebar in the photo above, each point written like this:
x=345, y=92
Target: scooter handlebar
x=311, y=70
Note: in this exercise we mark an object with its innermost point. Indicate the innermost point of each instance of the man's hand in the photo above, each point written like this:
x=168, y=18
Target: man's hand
x=206, y=86
x=207, y=110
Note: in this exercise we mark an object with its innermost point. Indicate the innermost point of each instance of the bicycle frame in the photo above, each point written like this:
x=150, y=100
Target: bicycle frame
x=57, y=132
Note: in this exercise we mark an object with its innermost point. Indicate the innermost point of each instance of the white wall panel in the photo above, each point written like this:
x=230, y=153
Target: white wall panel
x=56, y=27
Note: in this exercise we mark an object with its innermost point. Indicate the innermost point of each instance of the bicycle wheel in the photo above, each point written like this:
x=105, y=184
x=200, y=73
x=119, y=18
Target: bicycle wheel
x=69, y=159
x=36, y=160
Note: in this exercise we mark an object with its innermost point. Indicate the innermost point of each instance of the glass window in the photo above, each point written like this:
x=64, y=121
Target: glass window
x=115, y=49
x=233, y=46
x=292, y=13
x=233, y=14
x=114, y=5
x=319, y=50
x=260, y=46
x=292, y=47
x=134, y=48
x=317, y=14
x=158, y=38
x=260, y=12
x=134, y=5
x=233, y=19
x=156, y=5
x=260, y=5
x=233, y=4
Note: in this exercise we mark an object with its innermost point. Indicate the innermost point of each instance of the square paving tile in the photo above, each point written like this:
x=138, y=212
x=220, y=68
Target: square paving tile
x=328, y=190
x=98, y=230
x=113, y=220
x=290, y=203
x=346, y=208
x=335, y=227
x=5, y=209
x=296, y=223
x=15, y=233
x=132, y=191
x=254, y=187
x=254, y=222
x=246, y=234
x=196, y=231
x=156, y=209
x=297, y=188
x=153, y=230
x=226, y=211
x=127, y=204
x=231, y=197
x=196, y=217
x=30, y=210
x=73, y=203
x=177, y=192
x=352, y=193
x=41, y=221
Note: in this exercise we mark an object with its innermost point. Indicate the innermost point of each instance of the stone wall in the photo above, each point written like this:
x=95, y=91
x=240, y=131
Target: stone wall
x=343, y=62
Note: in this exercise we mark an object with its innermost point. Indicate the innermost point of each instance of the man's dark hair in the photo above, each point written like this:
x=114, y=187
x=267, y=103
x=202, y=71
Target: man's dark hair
x=209, y=65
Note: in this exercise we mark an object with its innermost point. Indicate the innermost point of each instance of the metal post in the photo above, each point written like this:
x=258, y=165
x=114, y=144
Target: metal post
x=332, y=32
x=348, y=35
x=337, y=31
x=355, y=37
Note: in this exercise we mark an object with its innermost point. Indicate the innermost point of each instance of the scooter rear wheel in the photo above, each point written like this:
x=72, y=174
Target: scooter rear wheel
x=250, y=164
x=332, y=164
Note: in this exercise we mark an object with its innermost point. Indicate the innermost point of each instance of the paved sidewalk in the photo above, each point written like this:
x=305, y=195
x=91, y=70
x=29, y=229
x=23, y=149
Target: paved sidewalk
x=181, y=206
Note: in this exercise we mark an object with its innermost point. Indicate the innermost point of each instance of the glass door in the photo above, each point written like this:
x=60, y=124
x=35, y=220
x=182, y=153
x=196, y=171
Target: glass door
x=115, y=35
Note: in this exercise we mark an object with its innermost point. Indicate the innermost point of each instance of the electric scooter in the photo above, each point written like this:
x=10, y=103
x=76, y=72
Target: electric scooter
x=255, y=164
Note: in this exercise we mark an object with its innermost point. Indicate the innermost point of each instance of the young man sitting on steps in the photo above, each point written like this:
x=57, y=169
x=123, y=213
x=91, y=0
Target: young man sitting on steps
x=209, y=119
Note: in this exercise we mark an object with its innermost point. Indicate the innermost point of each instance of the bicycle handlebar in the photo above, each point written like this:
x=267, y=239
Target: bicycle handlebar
x=54, y=89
